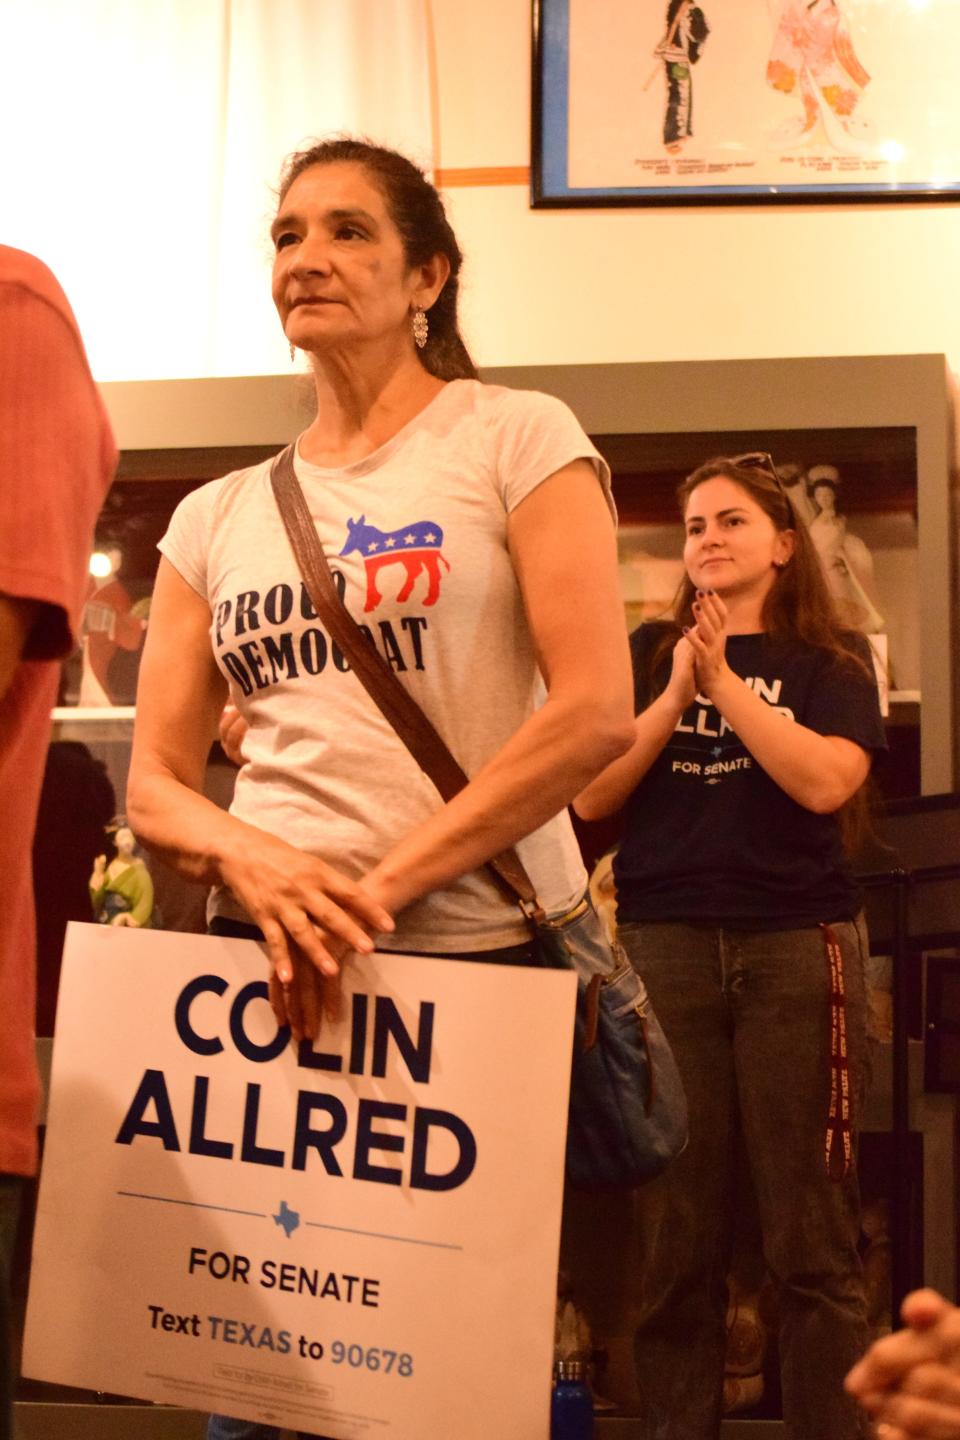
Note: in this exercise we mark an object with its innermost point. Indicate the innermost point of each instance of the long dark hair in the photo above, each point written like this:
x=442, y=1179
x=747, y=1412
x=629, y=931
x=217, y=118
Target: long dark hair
x=798, y=607
x=417, y=211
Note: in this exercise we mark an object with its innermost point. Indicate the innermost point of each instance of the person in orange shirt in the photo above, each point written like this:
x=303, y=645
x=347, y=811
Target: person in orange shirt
x=685, y=37
x=57, y=458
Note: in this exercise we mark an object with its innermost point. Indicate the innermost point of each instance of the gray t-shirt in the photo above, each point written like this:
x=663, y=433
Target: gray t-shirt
x=417, y=531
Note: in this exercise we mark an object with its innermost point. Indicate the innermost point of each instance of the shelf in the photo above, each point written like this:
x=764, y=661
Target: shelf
x=94, y=723
x=89, y=714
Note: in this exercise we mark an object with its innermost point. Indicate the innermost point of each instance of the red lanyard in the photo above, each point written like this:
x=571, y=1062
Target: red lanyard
x=839, y=1138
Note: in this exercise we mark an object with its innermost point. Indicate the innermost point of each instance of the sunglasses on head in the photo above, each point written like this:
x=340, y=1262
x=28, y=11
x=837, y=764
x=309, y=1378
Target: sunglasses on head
x=762, y=461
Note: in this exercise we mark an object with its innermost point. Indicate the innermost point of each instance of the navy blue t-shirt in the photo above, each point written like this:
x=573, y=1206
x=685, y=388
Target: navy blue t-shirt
x=708, y=835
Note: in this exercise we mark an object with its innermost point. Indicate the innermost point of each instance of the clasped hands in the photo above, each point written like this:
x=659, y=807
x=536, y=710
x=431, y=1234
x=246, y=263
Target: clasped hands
x=311, y=916
x=699, y=656
x=909, y=1382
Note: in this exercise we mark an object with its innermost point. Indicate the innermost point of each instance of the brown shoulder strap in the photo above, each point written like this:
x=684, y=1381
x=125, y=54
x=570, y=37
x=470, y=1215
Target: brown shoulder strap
x=395, y=703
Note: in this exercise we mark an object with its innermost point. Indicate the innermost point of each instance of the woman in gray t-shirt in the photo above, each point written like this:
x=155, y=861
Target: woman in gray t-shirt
x=471, y=530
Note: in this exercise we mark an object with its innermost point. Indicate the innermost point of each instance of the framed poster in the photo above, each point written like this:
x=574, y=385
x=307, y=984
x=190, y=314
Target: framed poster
x=671, y=102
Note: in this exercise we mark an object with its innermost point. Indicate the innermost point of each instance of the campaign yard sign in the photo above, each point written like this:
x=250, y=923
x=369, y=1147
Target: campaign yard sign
x=357, y=1236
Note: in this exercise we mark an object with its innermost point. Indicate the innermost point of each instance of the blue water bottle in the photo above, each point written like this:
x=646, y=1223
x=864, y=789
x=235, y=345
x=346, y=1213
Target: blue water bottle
x=571, y=1414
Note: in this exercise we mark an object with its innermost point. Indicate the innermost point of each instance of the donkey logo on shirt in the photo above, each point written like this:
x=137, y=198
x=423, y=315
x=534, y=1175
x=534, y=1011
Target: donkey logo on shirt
x=416, y=547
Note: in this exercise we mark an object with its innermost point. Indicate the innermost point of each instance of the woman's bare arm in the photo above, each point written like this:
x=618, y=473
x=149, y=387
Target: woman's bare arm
x=651, y=730
x=563, y=547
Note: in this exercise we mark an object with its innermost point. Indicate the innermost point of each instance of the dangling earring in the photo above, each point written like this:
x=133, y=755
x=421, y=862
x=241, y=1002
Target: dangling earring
x=421, y=327
x=293, y=352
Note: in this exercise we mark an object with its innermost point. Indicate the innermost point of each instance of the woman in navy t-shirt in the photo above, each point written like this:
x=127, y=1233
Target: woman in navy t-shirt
x=757, y=716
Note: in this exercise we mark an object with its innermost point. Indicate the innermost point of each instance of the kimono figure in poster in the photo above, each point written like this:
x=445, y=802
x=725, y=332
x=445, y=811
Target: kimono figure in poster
x=679, y=50
x=813, y=58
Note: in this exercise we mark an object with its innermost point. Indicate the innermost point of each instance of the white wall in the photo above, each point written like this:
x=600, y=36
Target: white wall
x=664, y=284
x=141, y=167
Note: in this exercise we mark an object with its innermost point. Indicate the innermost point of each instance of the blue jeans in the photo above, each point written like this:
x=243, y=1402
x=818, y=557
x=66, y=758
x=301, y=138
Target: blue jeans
x=223, y=1427
x=748, y=1017
x=11, y=1187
